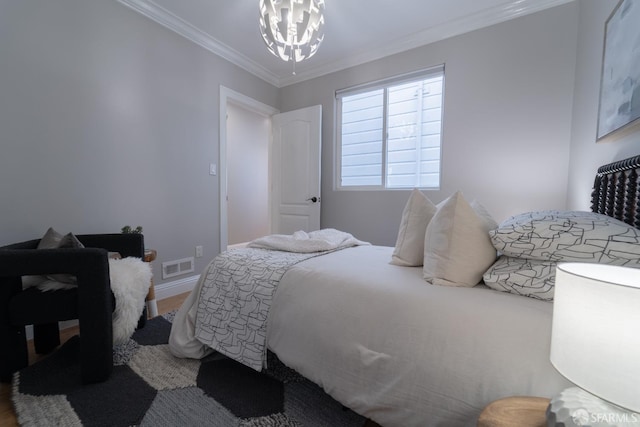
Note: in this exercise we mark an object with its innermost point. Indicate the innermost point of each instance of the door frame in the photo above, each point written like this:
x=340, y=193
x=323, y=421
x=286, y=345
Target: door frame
x=243, y=101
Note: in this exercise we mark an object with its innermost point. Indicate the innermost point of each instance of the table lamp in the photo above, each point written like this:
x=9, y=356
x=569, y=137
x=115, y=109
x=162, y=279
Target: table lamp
x=595, y=343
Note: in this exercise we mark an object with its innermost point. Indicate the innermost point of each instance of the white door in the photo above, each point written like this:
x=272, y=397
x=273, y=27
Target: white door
x=296, y=170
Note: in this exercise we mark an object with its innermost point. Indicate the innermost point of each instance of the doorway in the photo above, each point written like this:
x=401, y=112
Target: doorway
x=245, y=141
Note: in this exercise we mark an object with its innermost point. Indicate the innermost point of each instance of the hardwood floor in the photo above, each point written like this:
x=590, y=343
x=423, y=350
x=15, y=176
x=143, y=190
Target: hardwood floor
x=7, y=414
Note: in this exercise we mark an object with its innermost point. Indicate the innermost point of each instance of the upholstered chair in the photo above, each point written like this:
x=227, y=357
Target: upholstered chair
x=91, y=301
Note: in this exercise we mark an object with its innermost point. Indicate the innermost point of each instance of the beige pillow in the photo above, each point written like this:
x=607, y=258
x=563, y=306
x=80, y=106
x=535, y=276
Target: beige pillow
x=458, y=249
x=409, y=249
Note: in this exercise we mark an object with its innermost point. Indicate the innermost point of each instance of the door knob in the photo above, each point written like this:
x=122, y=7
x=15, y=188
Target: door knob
x=313, y=199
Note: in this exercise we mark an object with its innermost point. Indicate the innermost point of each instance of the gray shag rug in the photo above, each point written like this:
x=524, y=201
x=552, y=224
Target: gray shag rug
x=150, y=387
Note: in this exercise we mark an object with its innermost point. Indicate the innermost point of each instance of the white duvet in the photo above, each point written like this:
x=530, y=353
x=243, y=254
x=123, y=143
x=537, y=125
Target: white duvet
x=396, y=349
x=402, y=352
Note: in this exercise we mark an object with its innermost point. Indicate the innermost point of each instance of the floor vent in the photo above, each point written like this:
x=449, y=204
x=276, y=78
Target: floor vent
x=177, y=267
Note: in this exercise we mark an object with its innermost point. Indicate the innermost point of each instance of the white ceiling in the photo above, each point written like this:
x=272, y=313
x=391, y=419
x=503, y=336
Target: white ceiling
x=356, y=31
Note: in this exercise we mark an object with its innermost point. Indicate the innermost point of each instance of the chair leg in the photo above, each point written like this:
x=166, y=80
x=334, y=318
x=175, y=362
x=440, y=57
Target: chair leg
x=13, y=352
x=46, y=337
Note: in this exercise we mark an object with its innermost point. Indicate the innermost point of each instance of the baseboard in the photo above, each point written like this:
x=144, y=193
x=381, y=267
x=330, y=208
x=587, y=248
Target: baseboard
x=163, y=290
x=175, y=287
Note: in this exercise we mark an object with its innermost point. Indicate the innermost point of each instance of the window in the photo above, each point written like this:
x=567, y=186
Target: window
x=389, y=132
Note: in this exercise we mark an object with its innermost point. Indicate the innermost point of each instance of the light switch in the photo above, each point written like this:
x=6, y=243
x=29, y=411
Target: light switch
x=213, y=169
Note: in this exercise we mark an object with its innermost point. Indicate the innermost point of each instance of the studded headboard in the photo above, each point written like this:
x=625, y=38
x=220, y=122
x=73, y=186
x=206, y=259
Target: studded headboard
x=616, y=191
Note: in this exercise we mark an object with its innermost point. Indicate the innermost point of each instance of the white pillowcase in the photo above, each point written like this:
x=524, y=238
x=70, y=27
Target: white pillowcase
x=457, y=248
x=409, y=249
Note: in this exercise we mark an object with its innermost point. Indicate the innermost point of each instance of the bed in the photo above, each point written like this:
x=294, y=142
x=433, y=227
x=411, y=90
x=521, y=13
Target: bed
x=400, y=351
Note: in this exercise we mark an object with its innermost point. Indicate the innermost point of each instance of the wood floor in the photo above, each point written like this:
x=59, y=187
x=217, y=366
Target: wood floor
x=7, y=414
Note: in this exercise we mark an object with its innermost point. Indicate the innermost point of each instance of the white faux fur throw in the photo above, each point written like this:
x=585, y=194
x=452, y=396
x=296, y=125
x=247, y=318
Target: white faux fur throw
x=130, y=279
x=327, y=239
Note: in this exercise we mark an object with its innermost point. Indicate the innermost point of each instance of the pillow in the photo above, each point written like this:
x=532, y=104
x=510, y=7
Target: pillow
x=568, y=236
x=457, y=248
x=409, y=249
x=528, y=277
x=54, y=240
x=50, y=240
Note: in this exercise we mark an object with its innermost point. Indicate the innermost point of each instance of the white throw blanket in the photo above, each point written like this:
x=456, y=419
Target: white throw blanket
x=130, y=280
x=327, y=239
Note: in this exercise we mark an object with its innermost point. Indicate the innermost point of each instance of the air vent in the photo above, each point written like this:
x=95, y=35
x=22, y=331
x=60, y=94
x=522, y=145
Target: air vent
x=177, y=267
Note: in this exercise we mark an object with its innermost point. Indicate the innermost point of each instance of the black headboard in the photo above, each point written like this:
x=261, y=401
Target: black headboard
x=616, y=191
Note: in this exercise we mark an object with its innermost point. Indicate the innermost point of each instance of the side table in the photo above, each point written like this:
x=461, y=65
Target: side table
x=515, y=411
x=152, y=305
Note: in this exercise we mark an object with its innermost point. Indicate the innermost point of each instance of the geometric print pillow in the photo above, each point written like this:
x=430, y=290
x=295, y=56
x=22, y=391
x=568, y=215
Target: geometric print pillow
x=527, y=277
x=568, y=236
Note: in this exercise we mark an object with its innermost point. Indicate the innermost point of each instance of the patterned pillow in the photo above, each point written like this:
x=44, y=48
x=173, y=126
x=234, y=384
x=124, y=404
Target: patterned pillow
x=568, y=236
x=531, y=278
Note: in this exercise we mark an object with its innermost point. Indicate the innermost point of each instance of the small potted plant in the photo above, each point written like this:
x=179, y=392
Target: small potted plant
x=127, y=230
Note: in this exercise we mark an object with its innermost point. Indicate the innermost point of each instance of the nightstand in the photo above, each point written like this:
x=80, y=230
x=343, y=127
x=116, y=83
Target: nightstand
x=517, y=411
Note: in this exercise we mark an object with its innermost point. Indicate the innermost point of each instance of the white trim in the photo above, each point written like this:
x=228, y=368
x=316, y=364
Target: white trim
x=231, y=96
x=443, y=31
x=452, y=28
x=176, y=287
x=162, y=16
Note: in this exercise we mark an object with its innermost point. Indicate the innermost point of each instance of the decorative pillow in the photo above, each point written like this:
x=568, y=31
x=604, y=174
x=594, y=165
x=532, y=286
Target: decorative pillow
x=568, y=236
x=54, y=240
x=485, y=216
x=528, y=277
x=409, y=249
x=457, y=249
x=50, y=240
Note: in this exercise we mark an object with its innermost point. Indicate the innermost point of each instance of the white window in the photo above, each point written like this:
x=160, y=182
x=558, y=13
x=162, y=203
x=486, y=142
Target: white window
x=389, y=132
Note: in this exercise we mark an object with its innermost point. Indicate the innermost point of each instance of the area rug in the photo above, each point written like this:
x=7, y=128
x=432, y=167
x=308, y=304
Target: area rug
x=150, y=387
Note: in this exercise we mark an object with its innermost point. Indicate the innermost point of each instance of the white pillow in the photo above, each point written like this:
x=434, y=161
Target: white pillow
x=457, y=248
x=409, y=249
x=567, y=236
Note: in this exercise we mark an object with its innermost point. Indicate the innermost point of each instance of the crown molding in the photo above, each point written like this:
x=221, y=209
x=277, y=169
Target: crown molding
x=443, y=31
x=162, y=16
x=448, y=29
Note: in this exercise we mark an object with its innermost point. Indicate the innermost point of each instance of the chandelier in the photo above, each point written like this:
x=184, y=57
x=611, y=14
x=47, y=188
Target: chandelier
x=292, y=29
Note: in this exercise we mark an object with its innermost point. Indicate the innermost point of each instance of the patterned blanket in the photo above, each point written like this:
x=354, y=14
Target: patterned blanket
x=235, y=300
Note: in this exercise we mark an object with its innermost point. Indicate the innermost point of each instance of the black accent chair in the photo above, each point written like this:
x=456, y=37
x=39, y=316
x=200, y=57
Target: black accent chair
x=91, y=302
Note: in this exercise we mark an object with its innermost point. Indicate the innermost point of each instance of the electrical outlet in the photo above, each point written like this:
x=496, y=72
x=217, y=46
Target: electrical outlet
x=199, y=250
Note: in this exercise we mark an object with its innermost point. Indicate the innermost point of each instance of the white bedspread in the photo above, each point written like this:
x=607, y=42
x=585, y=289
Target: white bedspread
x=396, y=349
x=402, y=352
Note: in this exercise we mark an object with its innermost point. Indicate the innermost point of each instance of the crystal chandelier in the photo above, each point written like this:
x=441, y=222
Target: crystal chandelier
x=292, y=29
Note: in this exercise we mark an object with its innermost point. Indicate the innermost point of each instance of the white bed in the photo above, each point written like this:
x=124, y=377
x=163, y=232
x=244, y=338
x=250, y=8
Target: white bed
x=396, y=349
x=403, y=352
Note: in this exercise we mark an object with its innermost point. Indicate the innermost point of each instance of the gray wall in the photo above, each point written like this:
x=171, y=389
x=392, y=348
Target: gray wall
x=507, y=121
x=586, y=154
x=107, y=119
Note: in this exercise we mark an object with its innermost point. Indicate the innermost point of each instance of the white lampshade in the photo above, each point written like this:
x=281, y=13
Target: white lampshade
x=595, y=341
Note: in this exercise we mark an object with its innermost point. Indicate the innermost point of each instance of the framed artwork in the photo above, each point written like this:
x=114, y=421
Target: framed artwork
x=619, y=108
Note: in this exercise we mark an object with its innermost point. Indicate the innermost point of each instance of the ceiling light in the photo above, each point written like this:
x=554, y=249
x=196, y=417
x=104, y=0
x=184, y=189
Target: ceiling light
x=292, y=29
